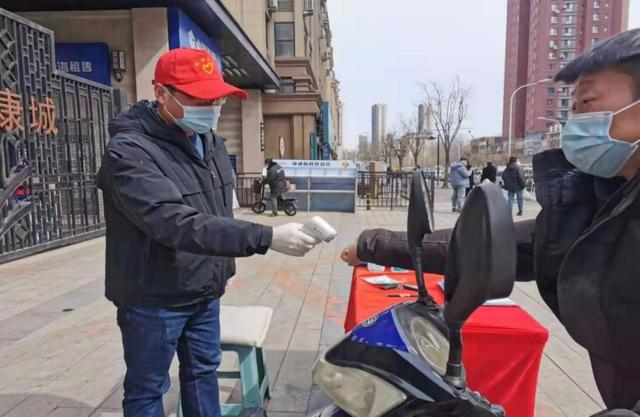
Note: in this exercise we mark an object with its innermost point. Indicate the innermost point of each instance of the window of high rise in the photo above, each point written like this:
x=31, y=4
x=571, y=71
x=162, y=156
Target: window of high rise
x=596, y=17
x=285, y=39
x=553, y=31
x=551, y=91
x=595, y=29
x=596, y=4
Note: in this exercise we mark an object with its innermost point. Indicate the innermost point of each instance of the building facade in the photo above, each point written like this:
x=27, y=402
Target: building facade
x=363, y=144
x=294, y=102
x=542, y=37
x=378, y=124
x=302, y=120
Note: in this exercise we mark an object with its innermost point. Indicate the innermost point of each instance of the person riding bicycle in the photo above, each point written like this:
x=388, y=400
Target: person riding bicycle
x=275, y=178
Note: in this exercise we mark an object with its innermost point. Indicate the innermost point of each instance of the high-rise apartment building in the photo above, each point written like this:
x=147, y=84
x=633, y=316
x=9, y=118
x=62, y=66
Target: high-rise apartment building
x=363, y=144
x=542, y=37
x=378, y=124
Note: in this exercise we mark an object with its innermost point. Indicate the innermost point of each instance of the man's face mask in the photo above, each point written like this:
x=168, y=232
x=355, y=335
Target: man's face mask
x=198, y=119
x=587, y=145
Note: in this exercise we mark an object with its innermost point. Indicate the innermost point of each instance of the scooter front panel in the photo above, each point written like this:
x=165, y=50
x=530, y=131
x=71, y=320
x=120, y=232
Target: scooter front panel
x=380, y=330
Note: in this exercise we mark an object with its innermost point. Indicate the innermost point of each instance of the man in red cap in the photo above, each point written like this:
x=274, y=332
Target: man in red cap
x=171, y=237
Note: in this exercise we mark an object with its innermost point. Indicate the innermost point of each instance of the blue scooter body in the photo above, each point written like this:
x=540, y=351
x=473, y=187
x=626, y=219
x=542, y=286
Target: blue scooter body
x=385, y=347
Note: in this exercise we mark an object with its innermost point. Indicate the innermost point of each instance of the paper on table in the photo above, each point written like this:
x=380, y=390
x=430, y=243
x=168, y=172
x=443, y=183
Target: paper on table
x=496, y=302
x=382, y=280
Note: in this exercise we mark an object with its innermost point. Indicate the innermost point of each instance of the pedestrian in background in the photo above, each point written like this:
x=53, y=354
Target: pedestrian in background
x=459, y=180
x=514, y=183
x=489, y=173
x=472, y=180
x=277, y=182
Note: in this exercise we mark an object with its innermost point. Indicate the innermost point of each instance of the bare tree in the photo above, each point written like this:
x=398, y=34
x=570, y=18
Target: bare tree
x=416, y=139
x=449, y=109
x=386, y=148
x=400, y=147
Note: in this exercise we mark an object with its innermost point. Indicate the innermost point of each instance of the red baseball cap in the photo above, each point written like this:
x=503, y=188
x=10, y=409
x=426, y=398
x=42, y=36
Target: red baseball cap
x=194, y=72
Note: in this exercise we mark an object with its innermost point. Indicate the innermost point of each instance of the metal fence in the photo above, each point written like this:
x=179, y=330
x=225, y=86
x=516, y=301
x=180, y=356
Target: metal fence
x=387, y=190
x=244, y=188
x=53, y=132
x=373, y=189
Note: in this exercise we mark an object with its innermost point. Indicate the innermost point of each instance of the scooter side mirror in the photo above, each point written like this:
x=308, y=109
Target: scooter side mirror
x=481, y=265
x=420, y=215
x=419, y=223
x=482, y=254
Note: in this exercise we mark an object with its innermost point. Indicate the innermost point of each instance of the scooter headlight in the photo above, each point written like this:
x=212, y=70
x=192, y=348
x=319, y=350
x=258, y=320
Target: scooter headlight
x=357, y=392
x=430, y=343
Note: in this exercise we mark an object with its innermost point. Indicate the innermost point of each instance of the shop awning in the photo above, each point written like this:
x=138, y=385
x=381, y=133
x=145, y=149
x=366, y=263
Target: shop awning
x=248, y=67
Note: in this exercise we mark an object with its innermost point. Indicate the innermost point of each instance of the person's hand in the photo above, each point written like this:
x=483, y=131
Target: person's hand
x=350, y=255
x=290, y=240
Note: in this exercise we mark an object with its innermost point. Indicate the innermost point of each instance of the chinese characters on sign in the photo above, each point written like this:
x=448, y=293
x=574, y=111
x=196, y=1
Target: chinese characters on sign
x=74, y=66
x=42, y=116
x=310, y=164
x=10, y=111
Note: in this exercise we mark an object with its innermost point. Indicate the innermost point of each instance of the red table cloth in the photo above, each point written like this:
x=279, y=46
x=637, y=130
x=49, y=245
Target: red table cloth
x=502, y=345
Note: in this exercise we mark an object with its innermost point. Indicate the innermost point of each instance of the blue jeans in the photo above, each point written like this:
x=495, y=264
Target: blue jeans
x=151, y=337
x=518, y=194
x=458, y=197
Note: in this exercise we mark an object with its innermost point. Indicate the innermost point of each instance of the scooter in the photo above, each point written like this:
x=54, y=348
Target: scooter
x=407, y=361
x=288, y=205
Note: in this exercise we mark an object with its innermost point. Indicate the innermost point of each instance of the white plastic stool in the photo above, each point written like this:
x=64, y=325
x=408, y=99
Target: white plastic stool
x=243, y=330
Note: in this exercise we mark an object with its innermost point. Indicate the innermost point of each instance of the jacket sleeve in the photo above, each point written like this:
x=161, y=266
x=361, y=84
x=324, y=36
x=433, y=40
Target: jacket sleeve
x=153, y=203
x=385, y=247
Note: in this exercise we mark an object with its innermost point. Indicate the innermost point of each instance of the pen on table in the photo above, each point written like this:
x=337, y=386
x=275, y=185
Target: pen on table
x=402, y=295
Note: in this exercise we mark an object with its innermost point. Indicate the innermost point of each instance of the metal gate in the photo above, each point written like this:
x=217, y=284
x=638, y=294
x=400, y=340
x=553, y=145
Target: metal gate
x=53, y=132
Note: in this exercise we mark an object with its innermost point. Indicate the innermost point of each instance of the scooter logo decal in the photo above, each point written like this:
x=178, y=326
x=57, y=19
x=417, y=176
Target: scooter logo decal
x=370, y=321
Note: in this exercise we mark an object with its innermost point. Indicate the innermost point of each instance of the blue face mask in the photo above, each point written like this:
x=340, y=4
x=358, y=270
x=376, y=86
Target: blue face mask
x=587, y=145
x=198, y=119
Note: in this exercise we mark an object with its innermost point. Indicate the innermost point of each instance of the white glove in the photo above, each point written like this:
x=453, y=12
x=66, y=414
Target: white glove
x=290, y=240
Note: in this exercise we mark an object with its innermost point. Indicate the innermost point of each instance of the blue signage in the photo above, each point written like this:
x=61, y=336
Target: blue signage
x=184, y=32
x=86, y=60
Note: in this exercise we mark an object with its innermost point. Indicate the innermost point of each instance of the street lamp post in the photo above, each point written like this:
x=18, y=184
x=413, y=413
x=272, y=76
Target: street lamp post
x=557, y=122
x=545, y=80
x=437, y=137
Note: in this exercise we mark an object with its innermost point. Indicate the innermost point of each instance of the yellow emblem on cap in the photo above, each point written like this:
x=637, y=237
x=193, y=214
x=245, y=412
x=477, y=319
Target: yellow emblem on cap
x=206, y=65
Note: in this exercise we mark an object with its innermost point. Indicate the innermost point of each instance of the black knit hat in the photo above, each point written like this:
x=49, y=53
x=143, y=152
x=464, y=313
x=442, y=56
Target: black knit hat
x=615, y=50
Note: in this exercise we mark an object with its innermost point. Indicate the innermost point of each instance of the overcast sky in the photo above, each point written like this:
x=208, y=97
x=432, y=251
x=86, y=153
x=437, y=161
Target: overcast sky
x=384, y=49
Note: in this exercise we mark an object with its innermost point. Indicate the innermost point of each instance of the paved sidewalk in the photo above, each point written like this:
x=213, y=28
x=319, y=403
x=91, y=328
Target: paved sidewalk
x=60, y=352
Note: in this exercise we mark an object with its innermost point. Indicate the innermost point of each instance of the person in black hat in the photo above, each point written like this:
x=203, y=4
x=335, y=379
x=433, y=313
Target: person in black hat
x=587, y=234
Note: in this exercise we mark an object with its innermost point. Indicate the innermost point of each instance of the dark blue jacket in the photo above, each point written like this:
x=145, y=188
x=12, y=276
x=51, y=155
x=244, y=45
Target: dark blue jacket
x=171, y=236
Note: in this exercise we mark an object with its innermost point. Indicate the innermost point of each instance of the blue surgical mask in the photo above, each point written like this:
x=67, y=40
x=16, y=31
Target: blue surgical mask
x=587, y=145
x=198, y=119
